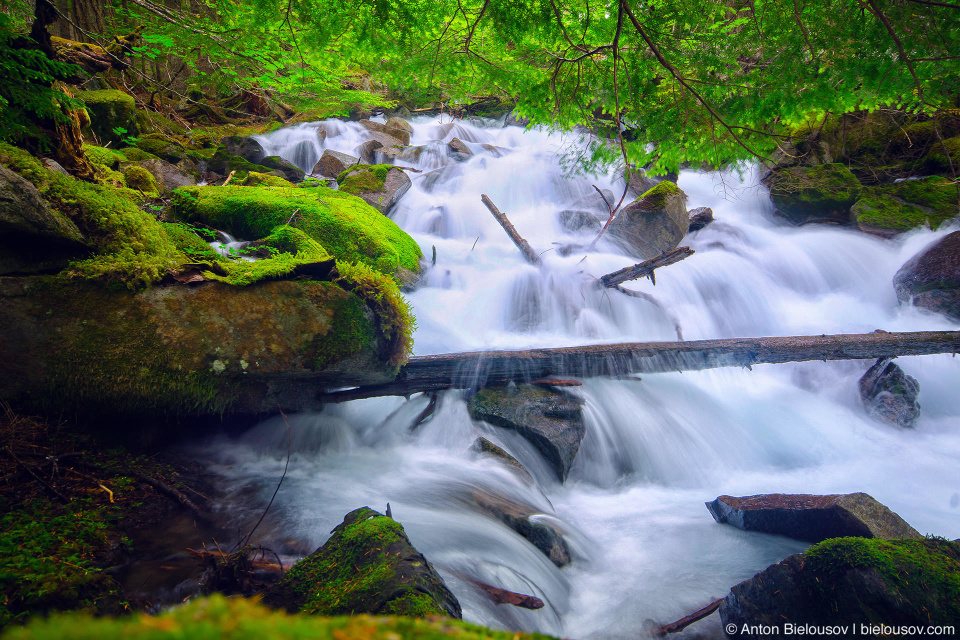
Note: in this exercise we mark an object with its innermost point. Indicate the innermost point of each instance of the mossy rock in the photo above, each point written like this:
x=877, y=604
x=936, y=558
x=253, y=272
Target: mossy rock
x=135, y=154
x=142, y=180
x=367, y=566
x=380, y=185
x=166, y=149
x=906, y=205
x=937, y=161
x=805, y=194
x=84, y=348
x=348, y=228
x=854, y=581
x=243, y=619
x=256, y=179
x=111, y=110
x=108, y=158
x=653, y=223
x=188, y=241
x=153, y=122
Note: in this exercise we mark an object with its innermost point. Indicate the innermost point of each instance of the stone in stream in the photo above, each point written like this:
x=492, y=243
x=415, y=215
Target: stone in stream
x=484, y=447
x=366, y=566
x=333, y=163
x=699, y=218
x=889, y=394
x=551, y=420
x=459, y=150
x=379, y=185
x=653, y=223
x=931, y=279
x=811, y=517
x=528, y=522
x=823, y=193
x=578, y=221
x=853, y=582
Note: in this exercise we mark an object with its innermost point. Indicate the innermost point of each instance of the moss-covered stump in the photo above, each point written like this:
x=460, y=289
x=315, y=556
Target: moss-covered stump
x=348, y=228
x=84, y=347
x=379, y=185
x=931, y=279
x=110, y=111
x=367, y=566
x=807, y=194
x=851, y=581
x=242, y=619
x=892, y=208
x=653, y=223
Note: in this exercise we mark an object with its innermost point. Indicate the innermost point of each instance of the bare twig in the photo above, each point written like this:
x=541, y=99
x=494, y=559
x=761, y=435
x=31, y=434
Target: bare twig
x=528, y=253
x=686, y=621
x=277, y=490
x=645, y=268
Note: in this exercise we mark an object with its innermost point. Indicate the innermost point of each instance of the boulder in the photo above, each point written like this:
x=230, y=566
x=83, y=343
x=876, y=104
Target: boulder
x=937, y=160
x=367, y=151
x=400, y=134
x=399, y=124
x=139, y=179
x=528, y=522
x=366, y=566
x=387, y=140
x=111, y=110
x=931, y=279
x=811, y=517
x=285, y=168
x=168, y=176
x=815, y=194
x=551, y=420
x=889, y=394
x=370, y=125
x=34, y=238
x=169, y=150
x=699, y=218
x=640, y=181
x=333, y=163
x=244, y=147
x=578, y=221
x=871, y=587
x=379, y=185
x=513, y=120
x=888, y=209
x=653, y=223
x=458, y=150
x=484, y=447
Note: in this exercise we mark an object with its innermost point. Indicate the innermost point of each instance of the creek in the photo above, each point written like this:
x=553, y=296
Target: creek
x=655, y=450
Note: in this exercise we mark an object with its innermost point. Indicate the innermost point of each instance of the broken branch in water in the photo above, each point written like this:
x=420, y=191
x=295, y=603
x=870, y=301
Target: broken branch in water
x=645, y=268
x=528, y=253
x=686, y=621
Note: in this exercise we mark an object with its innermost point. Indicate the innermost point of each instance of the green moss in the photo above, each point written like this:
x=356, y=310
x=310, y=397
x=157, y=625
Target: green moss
x=256, y=179
x=109, y=110
x=827, y=190
x=908, y=204
x=348, y=228
x=363, y=179
x=937, y=159
x=656, y=198
x=135, y=154
x=187, y=241
x=925, y=573
x=132, y=246
x=163, y=148
x=242, y=619
x=352, y=335
x=153, y=122
x=103, y=156
x=287, y=239
x=142, y=180
x=883, y=212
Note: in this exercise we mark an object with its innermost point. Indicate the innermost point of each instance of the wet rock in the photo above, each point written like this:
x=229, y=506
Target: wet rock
x=551, y=420
x=321, y=133
x=494, y=150
x=367, y=151
x=111, y=110
x=459, y=150
x=811, y=517
x=931, y=279
x=399, y=123
x=484, y=447
x=862, y=584
x=890, y=395
x=578, y=221
x=370, y=125
x=168, y=176
x=815, y=194
x=244, y=147
x=529, y=523
x=387, y=140
x=333, y=163
x=287, y=169
x=380, y=185
x=700, y=217
x=367, y=566
x=513, y=120
x=653, y=223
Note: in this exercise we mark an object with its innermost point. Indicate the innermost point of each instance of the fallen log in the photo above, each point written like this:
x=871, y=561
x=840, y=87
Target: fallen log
x=528, y=253
x=478, y=369
x=645, y=268
x=686, y=621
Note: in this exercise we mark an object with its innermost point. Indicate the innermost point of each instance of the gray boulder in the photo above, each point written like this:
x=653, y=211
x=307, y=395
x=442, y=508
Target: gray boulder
x=245, y=147
x=653, y=223
x=169, y=177
x=333, y=163
x=551, y=420
x=459, y=150
x=578, y=221
x=380, y=186
x=890, y=395
x=931, y=279
x=367, y=151
x=370, y=125
x=811, y=517
x=700, y=217
x=399, y=123
x=287, y=169
x=531, y=524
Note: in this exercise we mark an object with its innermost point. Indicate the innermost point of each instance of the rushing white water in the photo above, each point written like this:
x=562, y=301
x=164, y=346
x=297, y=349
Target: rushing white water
x=655, y=449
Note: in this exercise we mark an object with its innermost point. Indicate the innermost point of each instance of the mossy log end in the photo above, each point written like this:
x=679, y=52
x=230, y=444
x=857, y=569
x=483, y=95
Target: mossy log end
x=477, y=369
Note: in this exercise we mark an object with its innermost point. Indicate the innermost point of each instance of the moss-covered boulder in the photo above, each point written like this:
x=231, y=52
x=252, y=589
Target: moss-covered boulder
x=255, y=179
x=806, y=194
x=162, y=147
x=243, y=619
x=285, y=168
x=379, y=185
x=931, y=279
x=85, y=347
x=343, y=224
x=551, y=420
x=141, y=180
x=367, y=566
x=168, y=176
x=110, y=111
x=871, y=584
x=653, y=223
x=892, y=208
x=938, y=161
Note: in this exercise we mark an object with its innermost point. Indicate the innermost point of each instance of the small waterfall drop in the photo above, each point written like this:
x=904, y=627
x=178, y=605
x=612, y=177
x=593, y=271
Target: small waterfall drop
x=632, y=508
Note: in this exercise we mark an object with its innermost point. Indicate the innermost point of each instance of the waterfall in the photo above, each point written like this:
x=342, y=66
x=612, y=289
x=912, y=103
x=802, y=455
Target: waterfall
x=632, y=508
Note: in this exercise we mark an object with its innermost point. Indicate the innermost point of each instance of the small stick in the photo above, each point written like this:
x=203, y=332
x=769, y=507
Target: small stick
x=229, y=178
x=686, y=621
x=528, y=253
x=645, y=268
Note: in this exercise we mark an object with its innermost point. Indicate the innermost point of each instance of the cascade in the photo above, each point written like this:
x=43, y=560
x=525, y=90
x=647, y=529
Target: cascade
x=655, y=450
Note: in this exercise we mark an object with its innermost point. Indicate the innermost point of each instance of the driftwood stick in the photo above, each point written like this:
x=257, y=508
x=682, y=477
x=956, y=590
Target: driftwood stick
x=645, y=268
x=686, y=621
x=477, y=369
x=168, y=491
x=528, y=253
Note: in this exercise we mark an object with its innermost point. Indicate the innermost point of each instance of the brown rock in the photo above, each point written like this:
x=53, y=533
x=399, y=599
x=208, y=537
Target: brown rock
x=931, y=279
x=332, y=163
x=653, y=223
x=700, y=217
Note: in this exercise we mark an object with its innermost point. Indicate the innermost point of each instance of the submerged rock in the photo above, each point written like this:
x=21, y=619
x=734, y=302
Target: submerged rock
x=653, y=223
x=931, y=279
x=700, y=217
x=459, y=150
x=484, y=447
x=379, y=185
x=863, y=584
x=528, y=522
x=551, y=420
x=808, y=194
x=811, y=517
x=367, y=566
x=578, y=221
x=889, y=394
